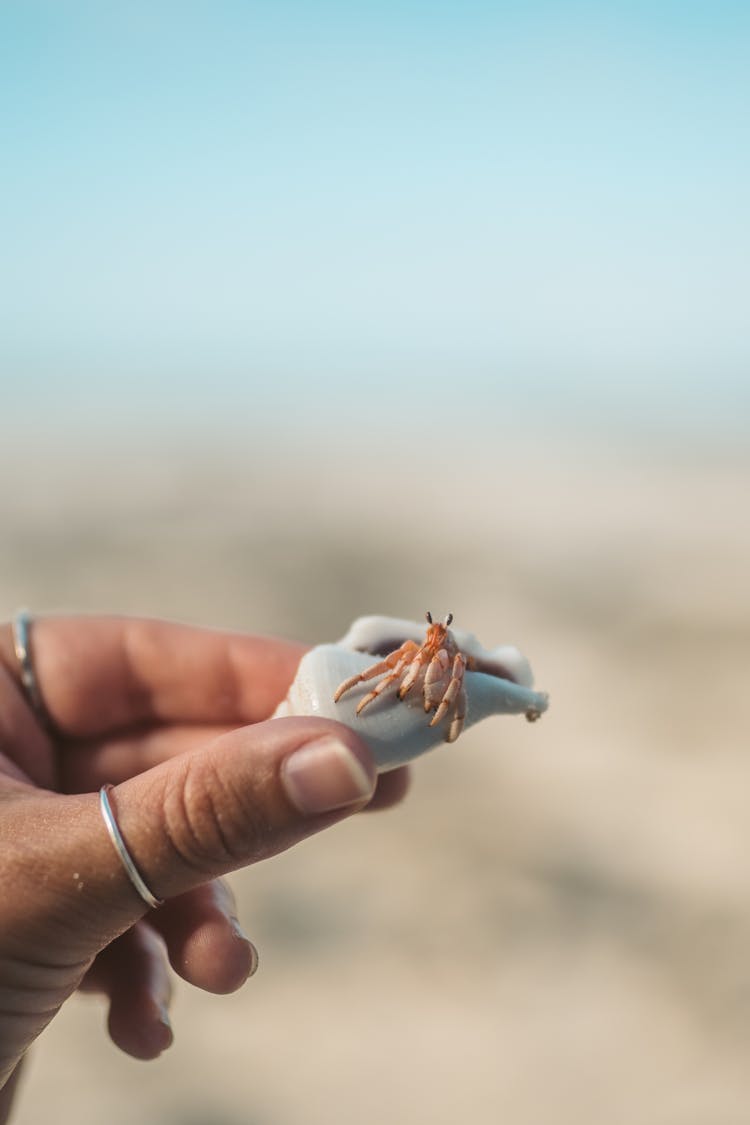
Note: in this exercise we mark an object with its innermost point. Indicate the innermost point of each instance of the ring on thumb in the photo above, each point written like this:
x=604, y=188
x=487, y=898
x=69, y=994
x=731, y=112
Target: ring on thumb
x=250, y=794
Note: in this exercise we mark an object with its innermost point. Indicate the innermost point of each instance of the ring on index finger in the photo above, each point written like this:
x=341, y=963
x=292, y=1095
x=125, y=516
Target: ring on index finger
x=22, y=646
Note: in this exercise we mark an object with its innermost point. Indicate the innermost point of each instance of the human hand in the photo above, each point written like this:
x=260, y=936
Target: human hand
x=175, y=718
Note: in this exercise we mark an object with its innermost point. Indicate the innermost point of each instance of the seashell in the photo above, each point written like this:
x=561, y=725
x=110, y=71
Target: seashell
x=496, y=682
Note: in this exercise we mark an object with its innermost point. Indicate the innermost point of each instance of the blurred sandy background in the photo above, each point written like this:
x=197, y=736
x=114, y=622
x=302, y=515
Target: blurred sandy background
x=312, y=309
x=555, y=927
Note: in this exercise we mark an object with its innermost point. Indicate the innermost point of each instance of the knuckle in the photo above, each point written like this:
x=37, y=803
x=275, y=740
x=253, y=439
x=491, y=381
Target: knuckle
x=209, y=824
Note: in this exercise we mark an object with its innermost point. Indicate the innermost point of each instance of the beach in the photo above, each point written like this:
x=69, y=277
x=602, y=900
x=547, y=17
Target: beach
x=554, y=926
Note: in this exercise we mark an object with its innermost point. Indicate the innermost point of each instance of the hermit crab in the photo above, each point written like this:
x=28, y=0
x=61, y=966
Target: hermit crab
x=432, y=681
x=436, y=667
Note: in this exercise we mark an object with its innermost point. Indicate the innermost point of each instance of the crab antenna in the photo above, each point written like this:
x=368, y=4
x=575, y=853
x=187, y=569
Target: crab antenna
x=448, y=620
x=428, y=617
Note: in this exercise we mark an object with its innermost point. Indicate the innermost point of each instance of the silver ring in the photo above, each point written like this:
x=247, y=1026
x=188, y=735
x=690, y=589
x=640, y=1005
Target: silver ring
x=29, y=683
x=125, y=858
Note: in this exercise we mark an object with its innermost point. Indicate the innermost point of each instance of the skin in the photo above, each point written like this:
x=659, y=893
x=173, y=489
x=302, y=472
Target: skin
x=176, y=718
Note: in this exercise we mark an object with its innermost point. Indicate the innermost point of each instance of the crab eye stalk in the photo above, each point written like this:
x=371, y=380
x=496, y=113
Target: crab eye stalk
x=428, y=617
x=448, y=620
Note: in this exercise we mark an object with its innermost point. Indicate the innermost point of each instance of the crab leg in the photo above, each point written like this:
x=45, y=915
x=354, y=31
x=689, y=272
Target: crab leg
x=457, y=722
x=368, y=673
x=414, y=669
x=384, y=683
x=454, y=687
x=396, y=660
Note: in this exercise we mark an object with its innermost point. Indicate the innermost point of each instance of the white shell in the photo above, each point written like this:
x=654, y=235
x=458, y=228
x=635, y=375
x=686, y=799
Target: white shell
x=398, y=730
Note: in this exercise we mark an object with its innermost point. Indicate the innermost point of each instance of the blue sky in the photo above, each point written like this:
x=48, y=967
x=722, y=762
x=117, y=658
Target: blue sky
x=500, y=203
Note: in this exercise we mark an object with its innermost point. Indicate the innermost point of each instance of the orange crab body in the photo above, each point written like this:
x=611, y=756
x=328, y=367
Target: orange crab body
x=435, y=668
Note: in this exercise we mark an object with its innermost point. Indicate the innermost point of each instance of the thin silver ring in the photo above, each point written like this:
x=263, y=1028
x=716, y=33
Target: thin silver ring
x=115, y=836
x=22, y=646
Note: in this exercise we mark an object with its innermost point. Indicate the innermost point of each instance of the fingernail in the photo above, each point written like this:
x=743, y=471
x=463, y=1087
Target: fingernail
x=166, y=1023
x=325, y=775
x=237, y=929
x=253, y=952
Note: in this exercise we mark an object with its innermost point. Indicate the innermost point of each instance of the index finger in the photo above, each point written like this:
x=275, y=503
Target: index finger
x=101, y=674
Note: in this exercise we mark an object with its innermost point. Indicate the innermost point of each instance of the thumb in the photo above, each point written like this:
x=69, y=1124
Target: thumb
x=246, y=796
